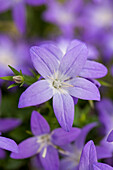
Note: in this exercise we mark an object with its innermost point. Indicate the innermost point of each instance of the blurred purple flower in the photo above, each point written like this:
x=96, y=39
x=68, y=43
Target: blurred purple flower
x=73, y=151
x=44, y=143
x=14, y=54
x=105, y=108
x=88, y=160
x=18, y=10
x=64, y=15
x=98, y=17
x=7, y=124
x=8, y=144
x=61, y=80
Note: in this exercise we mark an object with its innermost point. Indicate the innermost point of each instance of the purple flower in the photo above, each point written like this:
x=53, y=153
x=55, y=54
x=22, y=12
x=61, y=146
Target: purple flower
x=88, y=160
x=73, y=151
x=98, y=17
x=11, y=53
x=105, y=108
x=8, y=144
x=64, y=15
x=18, y=10
x=62, y=79
x=7, y=124
x=44, y=142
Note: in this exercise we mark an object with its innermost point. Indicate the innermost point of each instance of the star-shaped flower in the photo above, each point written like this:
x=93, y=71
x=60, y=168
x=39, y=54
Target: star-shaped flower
x=62, y=80
x=45, y=142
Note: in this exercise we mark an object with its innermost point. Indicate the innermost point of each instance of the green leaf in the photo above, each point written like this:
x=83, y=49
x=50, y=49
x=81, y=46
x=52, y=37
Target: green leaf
x=9, y=78
x=14, y=70
x=12, y=85
x=103, y=83
x=29, y=79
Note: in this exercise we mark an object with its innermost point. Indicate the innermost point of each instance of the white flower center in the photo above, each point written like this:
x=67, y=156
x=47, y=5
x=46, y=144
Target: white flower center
x=57, y=84
x=44, y=141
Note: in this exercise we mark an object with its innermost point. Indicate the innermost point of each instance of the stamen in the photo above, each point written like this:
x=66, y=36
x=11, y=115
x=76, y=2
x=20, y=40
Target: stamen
x=44, y=152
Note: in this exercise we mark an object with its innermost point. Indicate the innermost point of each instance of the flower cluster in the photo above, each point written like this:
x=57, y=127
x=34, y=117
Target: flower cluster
x=56, y=72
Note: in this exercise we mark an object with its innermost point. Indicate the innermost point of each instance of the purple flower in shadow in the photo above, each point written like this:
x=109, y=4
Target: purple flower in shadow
x=65, y=77
x=105, y=108
x=45, y=142
x=73, y=151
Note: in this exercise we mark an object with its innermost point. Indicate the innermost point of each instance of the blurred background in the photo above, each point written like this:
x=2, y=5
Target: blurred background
x=24, y=23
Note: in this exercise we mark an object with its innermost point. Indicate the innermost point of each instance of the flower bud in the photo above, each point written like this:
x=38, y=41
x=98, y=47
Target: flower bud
x=18, y=79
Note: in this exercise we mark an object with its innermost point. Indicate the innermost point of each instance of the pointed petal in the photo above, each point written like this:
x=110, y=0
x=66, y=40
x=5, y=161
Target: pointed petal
x=27, y=148
x=19, y=16
x=51, y=159
x=35, y=2
x=93, y=69
x=61, y=137
x=63, y=105
x=80, y=141
x=73, y=44
x=8, y=144
x=44, y=61
x=83, y=89
x=37, y=93
x=5, y=5
x=88, y=156
x=7, y=124
x=73, y=61
x=101, y=166
x=110, y=137
x=103, y=152
x=54, y=50
x=38, y=124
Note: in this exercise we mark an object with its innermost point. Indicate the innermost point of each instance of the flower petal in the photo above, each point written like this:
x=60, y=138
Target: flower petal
x=51, y=159
x=44, y=61
x=63, y=105
x=61, y=137
x=93, y=69
x=83, y=89
x=80, y=141
x=27, y=148
x=53, y=49
x=73, y=61
x=37, y=93
x=101, y=166
x=103, y=152
x=88, y=156
x=8, y=144
x=110, y=137
x=7, y=124
x=5, y=5
x=19, y=16
x=38, y=124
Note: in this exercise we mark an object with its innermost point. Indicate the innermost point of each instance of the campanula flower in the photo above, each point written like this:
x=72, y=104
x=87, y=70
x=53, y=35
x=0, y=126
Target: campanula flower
x=64, y=77
x=44, y=142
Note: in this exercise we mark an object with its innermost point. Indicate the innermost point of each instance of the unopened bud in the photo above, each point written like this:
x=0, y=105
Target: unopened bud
x=18, y=79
